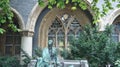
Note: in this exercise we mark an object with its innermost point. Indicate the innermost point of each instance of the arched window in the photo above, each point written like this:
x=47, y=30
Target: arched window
x=62, y=28
x=10, y=41
x=116, y=30
x=61, y=24
x=56, y=32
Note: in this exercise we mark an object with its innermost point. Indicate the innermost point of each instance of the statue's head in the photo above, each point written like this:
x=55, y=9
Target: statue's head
x=50, y=42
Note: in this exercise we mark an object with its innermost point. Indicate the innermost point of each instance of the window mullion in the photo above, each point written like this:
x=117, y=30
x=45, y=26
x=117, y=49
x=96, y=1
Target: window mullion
x=56, y=40
x=13, y=45
x=119, y=36
x=66, y=38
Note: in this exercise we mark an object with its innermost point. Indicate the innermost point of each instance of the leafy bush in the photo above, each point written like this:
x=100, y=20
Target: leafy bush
x=6, y=61
x=117, y=52
x=95, y=46
x=117, y=63
x=37, y=52
x=26, y=59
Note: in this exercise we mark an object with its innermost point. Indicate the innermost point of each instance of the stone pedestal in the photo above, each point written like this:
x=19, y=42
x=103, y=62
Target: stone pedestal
x=32, y=63
x=75, y=63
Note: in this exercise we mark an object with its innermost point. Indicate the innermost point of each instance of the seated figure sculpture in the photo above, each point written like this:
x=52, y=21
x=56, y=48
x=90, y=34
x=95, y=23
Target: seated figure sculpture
x=49, y=57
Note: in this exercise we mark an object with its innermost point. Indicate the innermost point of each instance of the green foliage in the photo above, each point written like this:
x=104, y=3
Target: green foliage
x=2, y=30
x=26, y=59
x=95, y=46
x=62, y=3
x=6, y=61
x=38, y=53
x=6, y=17
x=117, y=62
x=98, y=12
x=117, y=54
x=65, y=53
x=118, y=51
x=41, y=3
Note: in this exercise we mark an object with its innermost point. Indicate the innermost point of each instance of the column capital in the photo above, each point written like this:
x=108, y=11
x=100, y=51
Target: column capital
x=27, y=33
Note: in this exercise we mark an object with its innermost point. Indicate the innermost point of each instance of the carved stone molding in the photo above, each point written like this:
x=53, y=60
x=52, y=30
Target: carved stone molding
x=27, y=33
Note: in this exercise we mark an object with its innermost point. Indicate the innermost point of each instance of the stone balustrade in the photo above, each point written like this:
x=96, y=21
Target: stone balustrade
x=66, y=63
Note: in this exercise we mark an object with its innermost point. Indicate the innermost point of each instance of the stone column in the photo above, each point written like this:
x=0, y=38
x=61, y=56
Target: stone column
x=26, y=44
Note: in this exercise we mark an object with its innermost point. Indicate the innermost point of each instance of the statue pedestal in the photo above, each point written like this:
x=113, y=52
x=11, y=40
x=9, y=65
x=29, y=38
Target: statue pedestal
x=75, y=63
x=32, y=63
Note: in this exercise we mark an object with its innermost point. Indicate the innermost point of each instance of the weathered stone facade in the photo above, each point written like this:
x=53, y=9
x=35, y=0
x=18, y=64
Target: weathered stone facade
x=32, y=20
x=24, y=7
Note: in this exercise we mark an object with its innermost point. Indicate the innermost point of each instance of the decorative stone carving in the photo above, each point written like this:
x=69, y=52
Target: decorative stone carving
x=27, y=33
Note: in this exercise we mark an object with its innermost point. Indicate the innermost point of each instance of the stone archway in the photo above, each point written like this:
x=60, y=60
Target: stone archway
x=113, y=16
x=11, y=41
x=112, y=19
x=116, y=29
x=33, y=21
x=37, y=10
x=50, y=17
x=19, y=17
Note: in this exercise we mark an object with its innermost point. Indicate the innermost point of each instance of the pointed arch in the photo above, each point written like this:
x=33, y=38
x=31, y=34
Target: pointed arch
x=19, y=17
x=32, y=18
x=116, y=29
x=48, y=19
x=36, y=11
x=38, y=19
x=10, y=42
x=113, y=16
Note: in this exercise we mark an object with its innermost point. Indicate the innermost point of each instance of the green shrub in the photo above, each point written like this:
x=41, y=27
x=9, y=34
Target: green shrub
x=117, y=63
x=7, y=61
x=37, y=53
x=95, y=46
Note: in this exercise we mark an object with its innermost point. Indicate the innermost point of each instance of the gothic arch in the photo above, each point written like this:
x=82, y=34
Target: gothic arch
x=34, y=16
x=113, y=16
x=113, y=19
x=19, y=17
x=50, y=17
x=36, y=11
x=10, y=41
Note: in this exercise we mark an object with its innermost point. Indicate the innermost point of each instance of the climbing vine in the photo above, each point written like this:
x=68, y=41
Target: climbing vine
x=98, y=12
x=6, y=14
x=6, y=17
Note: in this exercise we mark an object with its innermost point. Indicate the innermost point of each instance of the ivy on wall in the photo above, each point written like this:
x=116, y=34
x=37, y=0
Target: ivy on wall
x=6, y=14
x=98, y=12
x=6, y=17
